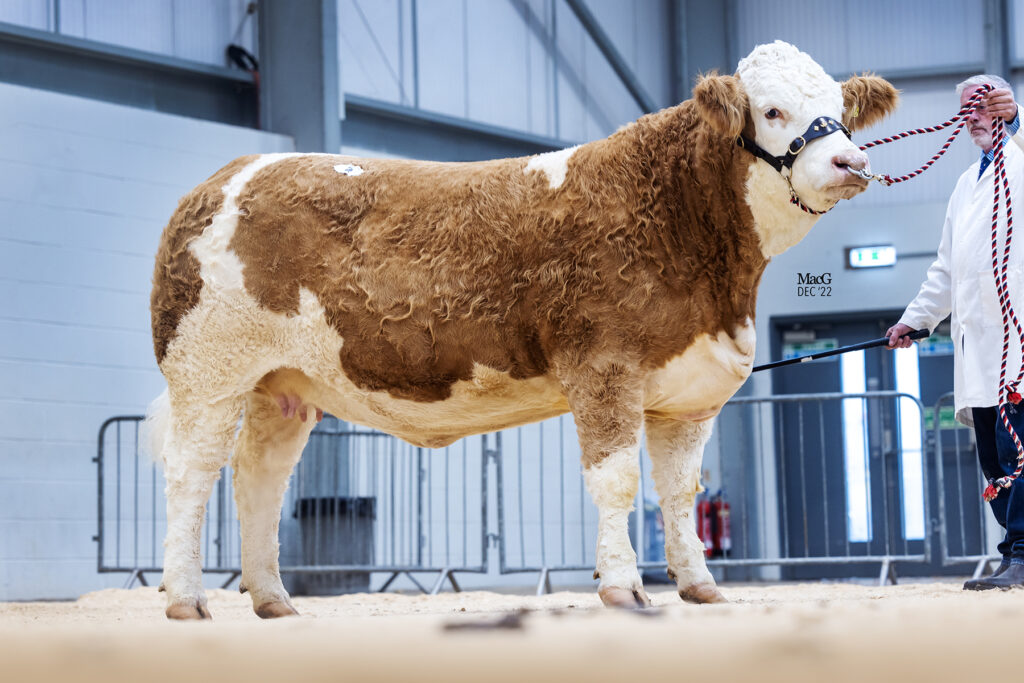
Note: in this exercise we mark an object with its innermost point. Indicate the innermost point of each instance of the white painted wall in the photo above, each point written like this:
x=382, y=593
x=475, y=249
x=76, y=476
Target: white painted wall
x=85, y=190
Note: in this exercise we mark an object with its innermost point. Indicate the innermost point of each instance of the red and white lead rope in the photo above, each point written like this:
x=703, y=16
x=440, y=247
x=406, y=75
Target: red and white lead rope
x=1009, y=396
x=887, y=180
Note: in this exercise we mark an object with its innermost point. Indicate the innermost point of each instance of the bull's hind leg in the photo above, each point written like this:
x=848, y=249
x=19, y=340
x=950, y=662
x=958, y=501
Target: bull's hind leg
x=677, y=449
x=606, y=405
x=268, y=447
x=198, y=446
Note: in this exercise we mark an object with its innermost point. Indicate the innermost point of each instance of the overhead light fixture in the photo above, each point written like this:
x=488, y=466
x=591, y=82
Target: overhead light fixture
x=871, y=257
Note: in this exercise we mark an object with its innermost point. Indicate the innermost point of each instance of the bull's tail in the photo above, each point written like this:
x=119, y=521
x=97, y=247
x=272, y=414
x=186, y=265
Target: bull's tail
x=156, y=427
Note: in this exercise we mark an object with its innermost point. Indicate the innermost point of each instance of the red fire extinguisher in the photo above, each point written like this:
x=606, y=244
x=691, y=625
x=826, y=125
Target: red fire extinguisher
x=704, y=525
x=722, y=525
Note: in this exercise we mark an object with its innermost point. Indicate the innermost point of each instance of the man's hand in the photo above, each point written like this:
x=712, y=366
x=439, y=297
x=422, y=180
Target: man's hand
x=897, y=336
x=1000, y=103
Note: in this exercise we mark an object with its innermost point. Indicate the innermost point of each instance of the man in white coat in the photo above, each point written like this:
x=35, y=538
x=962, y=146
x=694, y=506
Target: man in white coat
x=961, y=281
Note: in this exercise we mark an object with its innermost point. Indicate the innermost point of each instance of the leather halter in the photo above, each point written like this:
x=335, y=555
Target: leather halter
x=820, y=127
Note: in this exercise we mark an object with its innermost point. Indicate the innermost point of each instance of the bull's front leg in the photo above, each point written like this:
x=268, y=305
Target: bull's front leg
x=606, y=404
x=677, y=449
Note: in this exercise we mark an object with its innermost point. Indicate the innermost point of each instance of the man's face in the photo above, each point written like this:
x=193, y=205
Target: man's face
x=979, y=123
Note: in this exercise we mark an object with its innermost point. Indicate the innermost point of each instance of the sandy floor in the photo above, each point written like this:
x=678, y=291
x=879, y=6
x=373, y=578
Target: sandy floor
x=796, y=632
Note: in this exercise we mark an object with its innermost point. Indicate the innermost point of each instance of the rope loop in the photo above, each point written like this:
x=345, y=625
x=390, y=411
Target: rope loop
x=1009, y=396
x=960, y=116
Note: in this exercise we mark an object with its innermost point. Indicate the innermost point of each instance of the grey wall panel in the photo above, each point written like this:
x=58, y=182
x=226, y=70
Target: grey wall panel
x=442, y=57
x=1016, y=32
x=131, y=23
x=541, y=96
x=370, y=49
x=201, y=29
x=497, y=70
x=497, y=62
x=874, y=34
x=795, y=21
x=638, y=31
x=85, y=190
x=885, y=35
x=33, y=13
x=612, y=105
x=573, y=100
x=197, y=30
x=592, y=100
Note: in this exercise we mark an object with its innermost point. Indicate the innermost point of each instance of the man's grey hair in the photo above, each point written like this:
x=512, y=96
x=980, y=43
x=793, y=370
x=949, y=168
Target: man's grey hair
x=984, y=79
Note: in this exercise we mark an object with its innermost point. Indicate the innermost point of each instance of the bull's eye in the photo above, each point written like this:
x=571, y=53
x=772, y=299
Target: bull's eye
x=772, y=113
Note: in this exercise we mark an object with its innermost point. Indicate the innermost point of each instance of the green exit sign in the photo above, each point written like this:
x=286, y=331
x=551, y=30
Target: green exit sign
x=871, y=257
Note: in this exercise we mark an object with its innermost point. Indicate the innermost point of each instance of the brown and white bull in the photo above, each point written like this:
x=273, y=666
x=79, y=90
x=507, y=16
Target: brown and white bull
x=616, y=280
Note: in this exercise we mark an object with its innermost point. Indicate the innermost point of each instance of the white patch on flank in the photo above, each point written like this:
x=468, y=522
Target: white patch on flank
x=696, y=384
x=218, y=265
x=348, y=169
x=612, y=484
x=553, y=164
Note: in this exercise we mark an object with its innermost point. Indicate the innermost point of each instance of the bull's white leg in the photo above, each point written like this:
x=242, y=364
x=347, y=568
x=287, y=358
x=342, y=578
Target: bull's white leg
x=606, y=405
x=198, y=446
x=269, y=446
x=677, y=449
x=613, y=484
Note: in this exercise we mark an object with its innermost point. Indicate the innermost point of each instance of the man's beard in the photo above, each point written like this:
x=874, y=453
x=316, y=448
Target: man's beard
x=982, y=138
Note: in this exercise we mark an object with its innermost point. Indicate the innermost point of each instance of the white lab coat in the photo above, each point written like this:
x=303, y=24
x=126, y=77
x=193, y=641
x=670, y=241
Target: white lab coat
x=961, y=282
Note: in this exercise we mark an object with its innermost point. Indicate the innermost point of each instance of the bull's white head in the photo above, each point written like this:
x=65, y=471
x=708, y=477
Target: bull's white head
x=778, y=95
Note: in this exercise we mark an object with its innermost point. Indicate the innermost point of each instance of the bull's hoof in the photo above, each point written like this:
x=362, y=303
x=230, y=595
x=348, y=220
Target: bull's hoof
x=701, y=594
x=273, y=610
x=193, y=611
x=623, y=598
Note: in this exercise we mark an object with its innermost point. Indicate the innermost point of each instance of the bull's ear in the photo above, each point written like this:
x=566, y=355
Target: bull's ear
x=867, y=100
x=722, y=102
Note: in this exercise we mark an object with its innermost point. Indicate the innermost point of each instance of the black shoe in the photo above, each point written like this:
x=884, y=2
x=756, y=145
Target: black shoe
x=972, y=584
x=1013, y=577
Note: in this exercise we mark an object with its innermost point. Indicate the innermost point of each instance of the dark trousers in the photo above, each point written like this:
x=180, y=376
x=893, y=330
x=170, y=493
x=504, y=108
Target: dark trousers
x=998, y=457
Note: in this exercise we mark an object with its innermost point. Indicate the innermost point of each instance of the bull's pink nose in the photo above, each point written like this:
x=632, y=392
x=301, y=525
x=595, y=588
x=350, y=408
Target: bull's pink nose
x=850, y=161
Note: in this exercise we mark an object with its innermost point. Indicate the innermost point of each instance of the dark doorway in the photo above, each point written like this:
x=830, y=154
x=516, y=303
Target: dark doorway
x=851, y=475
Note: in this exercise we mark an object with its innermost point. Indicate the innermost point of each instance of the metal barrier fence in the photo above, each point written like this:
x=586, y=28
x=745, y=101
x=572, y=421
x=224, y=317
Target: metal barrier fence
x=967, y=529
x=360, y=504
x=816, y=481
x=803, y=497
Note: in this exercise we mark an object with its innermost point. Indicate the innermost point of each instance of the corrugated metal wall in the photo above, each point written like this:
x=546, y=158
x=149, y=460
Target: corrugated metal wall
x=878, y=35
x=197, y=30
x=521, y=64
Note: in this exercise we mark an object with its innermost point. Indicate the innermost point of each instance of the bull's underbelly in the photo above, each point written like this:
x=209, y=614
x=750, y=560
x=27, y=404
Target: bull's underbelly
x=491, y=400
x=692, y=386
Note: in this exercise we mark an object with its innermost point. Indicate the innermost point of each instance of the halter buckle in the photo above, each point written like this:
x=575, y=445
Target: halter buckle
x=799, y=148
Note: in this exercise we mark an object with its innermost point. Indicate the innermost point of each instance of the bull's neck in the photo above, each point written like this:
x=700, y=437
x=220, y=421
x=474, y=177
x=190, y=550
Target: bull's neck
x=778, y=223
x=701, y=180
